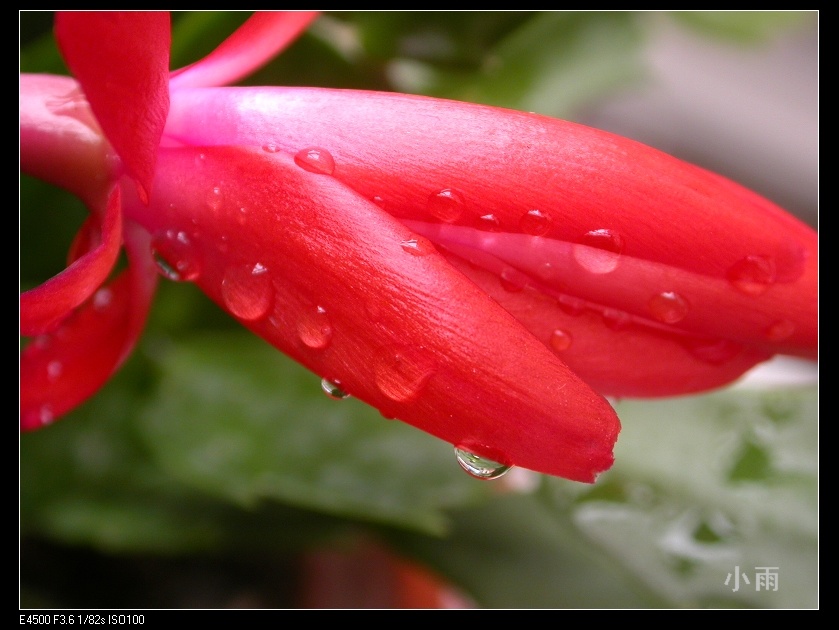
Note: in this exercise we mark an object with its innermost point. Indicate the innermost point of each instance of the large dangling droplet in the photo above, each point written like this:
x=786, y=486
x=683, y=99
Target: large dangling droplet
x=480, y=467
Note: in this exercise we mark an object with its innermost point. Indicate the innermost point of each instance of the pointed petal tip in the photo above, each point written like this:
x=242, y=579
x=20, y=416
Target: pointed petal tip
x=121, y=60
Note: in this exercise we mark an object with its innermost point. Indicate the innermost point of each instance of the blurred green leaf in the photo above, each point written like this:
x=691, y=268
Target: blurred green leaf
x=236, y=419
x=518, y=553
x=741, y=26
x=709, y=483
x=666, y=526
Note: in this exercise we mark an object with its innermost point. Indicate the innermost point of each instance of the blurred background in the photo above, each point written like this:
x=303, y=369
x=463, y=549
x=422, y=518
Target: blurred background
x=214, y=473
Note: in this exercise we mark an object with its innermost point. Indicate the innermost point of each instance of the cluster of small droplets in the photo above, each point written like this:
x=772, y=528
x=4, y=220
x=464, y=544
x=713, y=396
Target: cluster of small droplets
x=175, y=256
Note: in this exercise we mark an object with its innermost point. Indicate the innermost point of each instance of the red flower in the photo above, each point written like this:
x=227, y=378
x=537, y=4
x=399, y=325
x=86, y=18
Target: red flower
x=474, y=271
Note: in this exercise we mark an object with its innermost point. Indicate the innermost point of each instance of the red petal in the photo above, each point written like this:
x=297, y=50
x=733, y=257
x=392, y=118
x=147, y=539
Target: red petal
x=60, y=141
x=122, y=63
x=612, y=353
x=337, y=284
x=750, y=268
x=42, y=308
x=61, y=370
x=254, y=44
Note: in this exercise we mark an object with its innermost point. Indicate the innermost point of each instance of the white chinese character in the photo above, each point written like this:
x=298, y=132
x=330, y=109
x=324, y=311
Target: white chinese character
x=737, y=575
x=767, y=577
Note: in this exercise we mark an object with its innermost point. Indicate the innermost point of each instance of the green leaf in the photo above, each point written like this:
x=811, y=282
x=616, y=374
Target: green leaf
x=237, y=420
x=517, y=552
x=707, y=484
x=579, y=57
x=741, y=26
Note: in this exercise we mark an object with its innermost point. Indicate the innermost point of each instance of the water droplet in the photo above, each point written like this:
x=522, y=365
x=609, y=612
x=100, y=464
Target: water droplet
x=379, y=201
x=513, y=280
x=270, y=147
x=174, y=256
x=560, y=340
x=402, y=372
x=489, y=222
x=535, y=223
x=668, y=307
x=315, y=329
x=315, y=160
x=780, y=331
x=247, y=291
x=752, y=275
x=713, y=351
x=54, y=370
x=333, y=389
x=102, y=299
x=615, y=319
x=446, y=205
x=599, y=251
x=214, y=199
x=418, y=246
x=571, y=305
x=480, y=467
x=45, y=416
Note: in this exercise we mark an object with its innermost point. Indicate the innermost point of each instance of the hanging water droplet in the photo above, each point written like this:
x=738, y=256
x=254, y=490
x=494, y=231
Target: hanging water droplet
x=535, y=223
x=489, y=222
x=333, y=389
x=270, y=147
x=315, y=160
x=780, y=330
x=560, y=340
x=418, y=246
x=752, y=275
x=480, y=467
x=402, y=372
x=247, y=291
x=599, y=251
x=174, y=256
x=315, y=329
x=668, y=307
x=446, y=205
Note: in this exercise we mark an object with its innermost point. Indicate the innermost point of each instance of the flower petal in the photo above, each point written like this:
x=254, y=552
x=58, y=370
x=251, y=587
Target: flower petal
x=43, y=307
x=612, y=353
x=60, y=140
x=348, y=291
x=681, y=228
x=255, y=43
x=122, y=63
x=61, y=370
